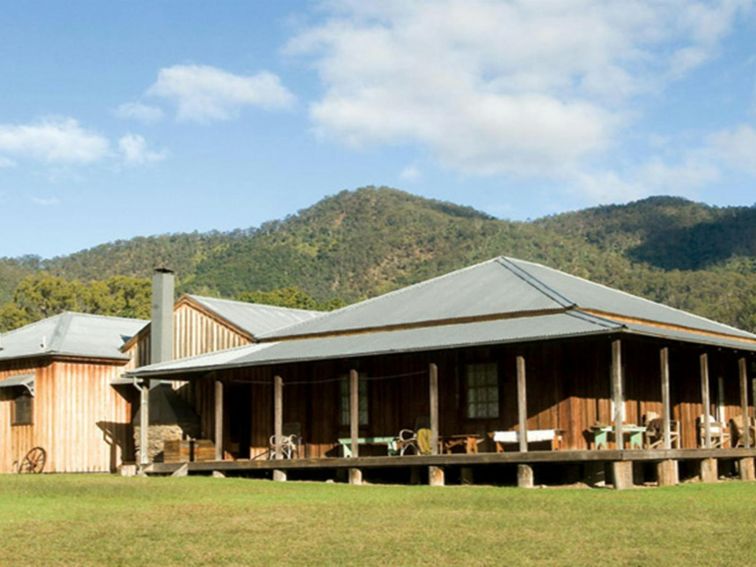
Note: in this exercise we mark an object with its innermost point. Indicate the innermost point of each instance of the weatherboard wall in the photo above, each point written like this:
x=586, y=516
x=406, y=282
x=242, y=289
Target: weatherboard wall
x=195, y=332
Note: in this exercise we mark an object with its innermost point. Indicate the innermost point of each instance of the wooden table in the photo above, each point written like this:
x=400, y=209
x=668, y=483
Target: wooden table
x=634, y=434
x=390, y=442
x=469, y=441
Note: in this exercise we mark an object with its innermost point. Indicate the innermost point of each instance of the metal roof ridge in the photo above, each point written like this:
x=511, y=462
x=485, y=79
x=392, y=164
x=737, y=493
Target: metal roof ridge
x=59, y=334
x=530, y=279
x=202, y=298
x=614, y=289
x=274, y=334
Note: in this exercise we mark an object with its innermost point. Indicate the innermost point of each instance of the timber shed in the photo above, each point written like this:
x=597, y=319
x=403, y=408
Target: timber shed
x=56, y=394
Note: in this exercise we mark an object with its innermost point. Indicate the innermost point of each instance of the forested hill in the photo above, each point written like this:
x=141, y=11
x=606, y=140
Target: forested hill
x=357, y=244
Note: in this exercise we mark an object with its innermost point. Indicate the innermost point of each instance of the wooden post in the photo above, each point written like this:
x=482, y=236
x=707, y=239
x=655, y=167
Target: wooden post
x=433, y=382
x=144, y=424
x=277, y=416
x=743, y=368
x=704, y=362
x=355, y=474
x=522, y=405
x=617, y=392
x=666, y=405
x=218, y=420
x=354, y=411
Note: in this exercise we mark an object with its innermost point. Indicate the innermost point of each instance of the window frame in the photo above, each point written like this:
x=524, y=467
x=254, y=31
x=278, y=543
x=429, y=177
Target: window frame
x=486, y=408
x=29, y=401
x=364, y=400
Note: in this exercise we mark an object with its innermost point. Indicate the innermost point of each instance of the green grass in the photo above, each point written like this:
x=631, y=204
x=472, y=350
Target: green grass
x=96, y=520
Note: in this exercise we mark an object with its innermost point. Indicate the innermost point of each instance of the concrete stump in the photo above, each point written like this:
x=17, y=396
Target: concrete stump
x=279, y=475
x=667, y=473
x=183, y=470
x=524, y=476
x=355, y=476
x=218, y=474
x=436, y=476
x=709, y=472
x=622, y=474
x=747, y=468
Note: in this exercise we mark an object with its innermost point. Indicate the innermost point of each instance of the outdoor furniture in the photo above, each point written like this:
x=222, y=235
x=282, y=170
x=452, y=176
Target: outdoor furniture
x=738, y=429
x=654, y=435
x=288, y=445
x=719, y=432
x=405, y=442
x=633, y=433
x=389, y=442
x=553, y=436
x=469, y=441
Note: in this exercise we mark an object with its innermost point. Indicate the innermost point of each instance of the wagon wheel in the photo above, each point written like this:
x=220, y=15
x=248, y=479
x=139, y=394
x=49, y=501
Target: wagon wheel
x=33, y=462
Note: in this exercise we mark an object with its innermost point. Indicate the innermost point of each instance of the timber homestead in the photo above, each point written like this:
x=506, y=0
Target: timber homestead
x=503, y=370
x=58, y=409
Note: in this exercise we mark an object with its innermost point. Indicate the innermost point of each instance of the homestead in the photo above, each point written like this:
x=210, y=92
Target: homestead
x=62, y=389
x=504, y=362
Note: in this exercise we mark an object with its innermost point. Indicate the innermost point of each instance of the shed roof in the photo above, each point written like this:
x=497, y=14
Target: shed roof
x=70, y=334
x=255, y=318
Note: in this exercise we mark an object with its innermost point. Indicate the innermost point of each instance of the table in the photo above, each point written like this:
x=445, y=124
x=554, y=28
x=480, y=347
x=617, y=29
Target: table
x=633, y=432
x=469, y=441
x=346, y=444
x=554, y=436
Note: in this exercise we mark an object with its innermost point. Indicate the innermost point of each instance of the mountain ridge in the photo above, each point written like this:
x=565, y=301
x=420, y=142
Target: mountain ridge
x=357, y=244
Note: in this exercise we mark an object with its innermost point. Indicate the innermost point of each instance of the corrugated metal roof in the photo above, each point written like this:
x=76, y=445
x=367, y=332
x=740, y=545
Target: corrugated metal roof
x=255, y=318
x=570, y=324
x=71, y=334
x=590, y=295
x=479, y=290
x=688, y=337
x=499, y=286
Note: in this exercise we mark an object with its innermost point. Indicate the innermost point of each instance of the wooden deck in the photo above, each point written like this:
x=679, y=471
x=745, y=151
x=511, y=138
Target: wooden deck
x=530, y=457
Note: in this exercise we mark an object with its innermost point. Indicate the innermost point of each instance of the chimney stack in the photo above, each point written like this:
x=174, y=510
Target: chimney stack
x=161, y=334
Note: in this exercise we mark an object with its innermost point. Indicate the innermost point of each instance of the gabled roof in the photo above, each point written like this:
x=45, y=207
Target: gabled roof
x=503, y=300
x=70, y=334
x=254, y=318
x=499, y=287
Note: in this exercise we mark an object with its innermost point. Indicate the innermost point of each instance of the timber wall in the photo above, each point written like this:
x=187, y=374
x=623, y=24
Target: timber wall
x=568, y=388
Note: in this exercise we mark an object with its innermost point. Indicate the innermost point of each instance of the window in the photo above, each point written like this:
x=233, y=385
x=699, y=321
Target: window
x=482, y=390
x=23, y=409
x=363, y=400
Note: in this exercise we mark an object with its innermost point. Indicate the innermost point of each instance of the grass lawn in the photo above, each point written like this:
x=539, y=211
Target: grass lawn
x=88, y=520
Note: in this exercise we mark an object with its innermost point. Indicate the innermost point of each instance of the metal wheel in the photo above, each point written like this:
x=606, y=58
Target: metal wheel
x=33, y=462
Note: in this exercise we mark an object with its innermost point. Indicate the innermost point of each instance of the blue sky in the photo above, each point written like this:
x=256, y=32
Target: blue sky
x=138, y=118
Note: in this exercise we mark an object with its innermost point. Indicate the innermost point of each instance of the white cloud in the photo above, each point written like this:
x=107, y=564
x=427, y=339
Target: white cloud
x=46, y=201
x=134, y=150
x=492, y=87
x=138, y=111
x=410, y=173
x=55, y=141
x=6, y=163
x=736, y=147
x=203, y=93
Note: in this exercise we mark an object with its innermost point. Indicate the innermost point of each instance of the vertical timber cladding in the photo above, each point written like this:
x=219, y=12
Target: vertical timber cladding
x=79, y=419
x=16, y=440
x=568, y=388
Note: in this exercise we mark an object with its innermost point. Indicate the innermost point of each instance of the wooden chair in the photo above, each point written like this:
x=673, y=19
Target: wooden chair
x=738, y=429
x=654, y=435
x=720, y=433
x=290, y=441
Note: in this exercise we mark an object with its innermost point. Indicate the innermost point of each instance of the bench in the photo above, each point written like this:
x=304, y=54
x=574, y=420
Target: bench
x=389, y=442
x=553, y=436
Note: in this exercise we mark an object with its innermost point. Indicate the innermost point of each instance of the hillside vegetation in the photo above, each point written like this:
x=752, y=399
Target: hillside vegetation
x=358, y=244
